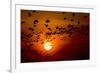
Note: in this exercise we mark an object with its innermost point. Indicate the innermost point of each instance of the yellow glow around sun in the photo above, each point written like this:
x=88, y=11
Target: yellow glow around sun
x=47, y=46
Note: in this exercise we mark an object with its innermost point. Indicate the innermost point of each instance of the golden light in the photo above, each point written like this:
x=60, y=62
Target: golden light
x=47, y=46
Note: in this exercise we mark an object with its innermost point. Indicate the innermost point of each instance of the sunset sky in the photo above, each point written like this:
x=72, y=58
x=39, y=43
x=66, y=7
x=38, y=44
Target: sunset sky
x=54, y=36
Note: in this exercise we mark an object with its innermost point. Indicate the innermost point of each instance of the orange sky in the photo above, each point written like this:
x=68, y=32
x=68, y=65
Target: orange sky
x=65, y=24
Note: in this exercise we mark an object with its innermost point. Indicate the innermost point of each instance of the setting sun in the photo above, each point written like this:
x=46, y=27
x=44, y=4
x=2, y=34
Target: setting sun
x=47, y=46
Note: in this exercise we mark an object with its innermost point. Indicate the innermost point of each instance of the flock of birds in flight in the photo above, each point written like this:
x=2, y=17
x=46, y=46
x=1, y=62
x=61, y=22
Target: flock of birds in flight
x=59, y=30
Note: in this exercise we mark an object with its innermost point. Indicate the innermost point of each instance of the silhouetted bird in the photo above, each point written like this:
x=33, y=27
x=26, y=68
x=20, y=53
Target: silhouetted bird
x=65, y=18
x=22, y=22
x=82, y=26
x=63, y=12
x=48, y=33
x=29, y=14
x=50, y=29
x=69, y=25
x=57, y=27
x=42, y=42
x=31, y=29
x=85, y=16
x=29, y=35
x=35, y=21
x=72, y=19
x=73, y=14
x=33, y=11
x=78, y=22
x=47, y=21
x=46, y=25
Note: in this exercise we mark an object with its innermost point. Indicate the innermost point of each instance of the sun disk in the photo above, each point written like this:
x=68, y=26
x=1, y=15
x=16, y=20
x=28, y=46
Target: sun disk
x=47, y=46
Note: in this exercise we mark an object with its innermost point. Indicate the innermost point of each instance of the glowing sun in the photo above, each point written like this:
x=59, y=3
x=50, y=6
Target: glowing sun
x=47, y=46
